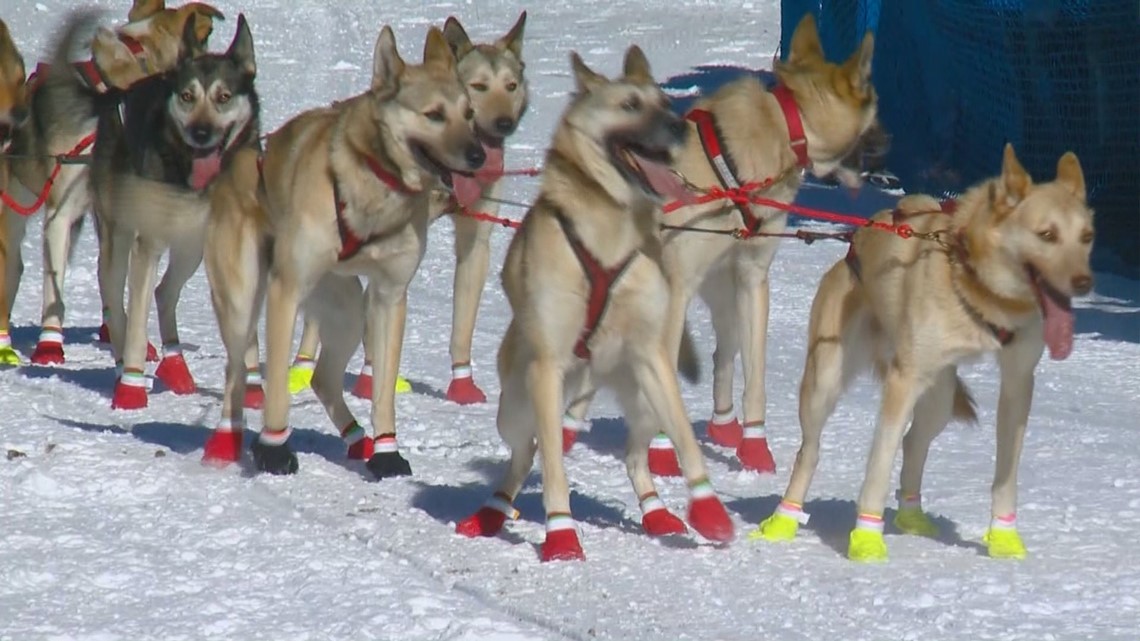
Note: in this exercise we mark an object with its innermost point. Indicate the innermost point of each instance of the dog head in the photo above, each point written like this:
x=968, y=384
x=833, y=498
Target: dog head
x=628, y=136
x=838, y=103
x=1045, y=234
x=162, y=34
x=212, y=102
x=493, y=75
x=13, y=96
x=425, y=115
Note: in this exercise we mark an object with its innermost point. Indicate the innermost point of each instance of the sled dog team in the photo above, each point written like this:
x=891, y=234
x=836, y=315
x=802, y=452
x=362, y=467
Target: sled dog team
x=292, y=220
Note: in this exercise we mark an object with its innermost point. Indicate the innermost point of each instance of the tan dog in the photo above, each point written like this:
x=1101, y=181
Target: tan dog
x=61, y=123
x=816, y=120
x=496, y=85
x=586, y=303
x=13, y=116
x=1009, y=260
x=342, y=192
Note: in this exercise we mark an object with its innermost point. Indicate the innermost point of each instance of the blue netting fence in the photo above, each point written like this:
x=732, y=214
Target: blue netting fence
x=958, y=78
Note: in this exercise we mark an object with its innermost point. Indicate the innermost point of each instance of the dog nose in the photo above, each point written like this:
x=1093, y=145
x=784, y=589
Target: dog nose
x=1082, y=284
x=475, y=156
x=504, y=125
x=200, y=134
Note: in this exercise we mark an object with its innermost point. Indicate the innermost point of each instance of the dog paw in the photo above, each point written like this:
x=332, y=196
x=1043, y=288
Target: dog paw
x=866, y=546
x=569, y=437
x=913, y=520
x=778, y=527
x=363, y=386
x=403, y=386
x=128, y=397
x=662, y=522
x=726, y=434
x=8, y=356
x=1004, y=543
x=104, y=333
x=361, y=450
x=300, y=378
x=274, y=459
x=709, y=518
x=48, y=353
x=562, y=545
x=464, y=391
x=151, y=353
x=755, y=456
x=385, y=465
x=254, y=398
x=663, y=458
x=222, y=448
x=486, y=522
x=175, y=375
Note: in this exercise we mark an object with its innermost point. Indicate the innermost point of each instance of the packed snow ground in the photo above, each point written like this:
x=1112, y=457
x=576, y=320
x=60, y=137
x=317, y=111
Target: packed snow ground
x=110, y=528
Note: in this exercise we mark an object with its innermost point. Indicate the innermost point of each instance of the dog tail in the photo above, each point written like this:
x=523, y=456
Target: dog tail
x=687, y=363
x=965, y=408
x=62, y=81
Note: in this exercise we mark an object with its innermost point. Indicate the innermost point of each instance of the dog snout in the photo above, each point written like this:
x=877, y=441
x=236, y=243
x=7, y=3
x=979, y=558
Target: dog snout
x=201, y=134
x=1082, y=284
x=678, y=129
x=504, y=125
x=475, y=156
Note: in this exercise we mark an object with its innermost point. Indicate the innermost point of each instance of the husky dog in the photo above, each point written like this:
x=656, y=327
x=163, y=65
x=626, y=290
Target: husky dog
x=158, y=145
x=1010, y=258
x=815, y=118
x=493, y=75
x=61, y=123
x=13, y=116
x=341, y=192
x=586, y=291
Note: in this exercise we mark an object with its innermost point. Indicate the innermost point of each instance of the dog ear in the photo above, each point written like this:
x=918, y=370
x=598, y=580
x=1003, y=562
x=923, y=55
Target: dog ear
x=10, y=55
x=387, y=65
x=585, y=78
x=513, y=41
x=636, y=66
x=241, y=49
x=203, y=16
x=192, y=47
x=805, y=41
x=1070, y=175
x=858, y=66
x=1014, y=184
x=143, y=9
x=457, y=37
x=436, y=50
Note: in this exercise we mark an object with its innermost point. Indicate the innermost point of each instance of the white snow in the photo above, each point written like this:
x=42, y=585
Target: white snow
x=111, y=529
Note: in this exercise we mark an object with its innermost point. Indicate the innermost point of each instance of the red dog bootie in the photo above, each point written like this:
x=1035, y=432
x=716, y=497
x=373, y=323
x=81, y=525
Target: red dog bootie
x=463, y=389
x=151, y=353
x=561, y=542
x=224, y=445
x=360, y=447
x=490, y=518
x=753, y=450
x=173, y=372
x=130, y=391
x=254, y=398
x=49, y=349
x=363, y=386
x=656, y=519
x=570, y=429
x=662, y=457
x=725, y=430
x=707, y=514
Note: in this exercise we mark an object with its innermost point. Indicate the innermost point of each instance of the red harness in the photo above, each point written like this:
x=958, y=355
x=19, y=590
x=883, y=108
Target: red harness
x=898, y=217
x=350, y=242
x=599, y=280
x=722, y=163
x=90, y=72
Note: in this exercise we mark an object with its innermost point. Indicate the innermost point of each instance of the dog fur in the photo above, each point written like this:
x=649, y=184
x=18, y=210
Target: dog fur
x=1011, y=256
x=837, y=104
x=59, y=120
x=592, y=191
x=13, y=116
x=278, y=237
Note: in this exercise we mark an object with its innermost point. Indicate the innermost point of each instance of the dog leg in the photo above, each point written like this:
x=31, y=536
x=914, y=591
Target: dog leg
x=185, y=257
x=271, y=451
x=724, y=427
x=130, y=390
x=580, y=397
x=642, y=424
x=544, y=378
x=1017, y=363
x=472, y=257
x=387, y=312
x=337, y=309
x=114, y=261
x=515, y=422
x=836, y=331
x=931, y=414
x=752, y=301
x=11, y=236
x=662, y=455
x=363, y=386
x=656, y=376
x=301, y=372
x=236, y=305
x=72, y=202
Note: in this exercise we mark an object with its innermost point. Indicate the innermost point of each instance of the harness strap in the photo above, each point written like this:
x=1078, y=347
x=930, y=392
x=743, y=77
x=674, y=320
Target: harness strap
x=796, y=136
x=721, y=162
x=90, y=72
x=599, y=280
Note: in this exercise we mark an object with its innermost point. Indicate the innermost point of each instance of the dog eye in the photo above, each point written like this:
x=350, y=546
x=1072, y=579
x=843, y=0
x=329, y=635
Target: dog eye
x=479, y=86
x=632, y=104
x=1048, y=235
x=223, y=98
x=511, y=86
x=469, y=114
x=186, y=96
x=1087, y=237
x=435, y=115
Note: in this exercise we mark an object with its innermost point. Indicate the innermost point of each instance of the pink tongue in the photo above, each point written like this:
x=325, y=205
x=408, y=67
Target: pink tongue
x=469, y=189
x=492, y=168
x=204, y=169
x=1058, y=325
x=664, y=181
